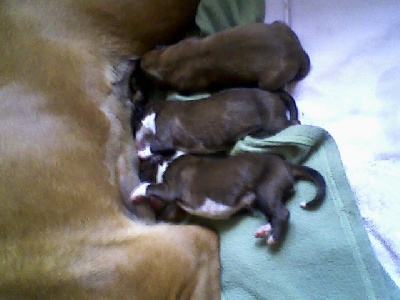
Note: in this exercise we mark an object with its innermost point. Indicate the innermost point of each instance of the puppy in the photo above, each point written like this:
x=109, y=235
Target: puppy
x=217, y=188
x=252, y=55
x=215, y=123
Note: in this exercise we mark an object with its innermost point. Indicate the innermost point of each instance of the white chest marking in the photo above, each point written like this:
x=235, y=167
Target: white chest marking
x=161, y=170
x=149, y=122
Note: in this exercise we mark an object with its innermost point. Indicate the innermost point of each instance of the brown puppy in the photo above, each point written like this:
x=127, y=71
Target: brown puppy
x=64, y=131
x=216, y=188
x=215, y=123
x=267, y=56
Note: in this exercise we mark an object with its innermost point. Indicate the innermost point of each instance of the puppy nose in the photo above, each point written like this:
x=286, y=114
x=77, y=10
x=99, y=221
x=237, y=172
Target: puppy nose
x=138, y=145
x=144, y=153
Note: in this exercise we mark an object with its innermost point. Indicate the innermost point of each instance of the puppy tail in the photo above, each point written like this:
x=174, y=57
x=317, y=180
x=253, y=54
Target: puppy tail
x=309, y=174
x=291, y=106
x=304, y=68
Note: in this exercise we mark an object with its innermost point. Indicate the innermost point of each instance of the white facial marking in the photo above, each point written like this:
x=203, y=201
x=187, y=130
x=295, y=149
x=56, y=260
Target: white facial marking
x=148, y=125
x=139, y=191
x=145, y=153
x=149, y=122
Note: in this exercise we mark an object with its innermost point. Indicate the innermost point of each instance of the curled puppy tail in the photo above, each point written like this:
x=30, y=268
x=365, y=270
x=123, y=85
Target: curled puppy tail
x=309, y=174
x=291, y=106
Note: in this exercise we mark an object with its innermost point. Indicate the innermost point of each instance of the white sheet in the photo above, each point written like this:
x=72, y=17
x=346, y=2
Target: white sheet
x=353, y=91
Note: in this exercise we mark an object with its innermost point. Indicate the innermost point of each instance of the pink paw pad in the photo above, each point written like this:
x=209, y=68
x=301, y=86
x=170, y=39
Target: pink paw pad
x=263, y=231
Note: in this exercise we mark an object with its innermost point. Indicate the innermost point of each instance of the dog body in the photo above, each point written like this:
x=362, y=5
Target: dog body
x=216, y=188
x=66, y=154
x=267, y=56
x=212, y=124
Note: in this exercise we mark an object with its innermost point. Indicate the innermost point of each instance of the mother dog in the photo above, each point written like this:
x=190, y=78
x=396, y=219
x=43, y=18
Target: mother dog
x=65, y=147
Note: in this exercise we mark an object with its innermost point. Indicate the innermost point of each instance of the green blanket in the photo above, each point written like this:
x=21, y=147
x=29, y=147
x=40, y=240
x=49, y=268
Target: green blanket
x=326, y=253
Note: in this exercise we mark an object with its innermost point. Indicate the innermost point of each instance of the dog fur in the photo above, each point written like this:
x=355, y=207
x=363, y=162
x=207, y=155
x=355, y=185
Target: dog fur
x=251, y=55
x=66, y=156
x=215, y=123
x=216, y=188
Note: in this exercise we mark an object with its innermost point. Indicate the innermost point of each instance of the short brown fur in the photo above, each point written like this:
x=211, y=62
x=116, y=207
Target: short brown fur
x=251, y=55
x=217, y=122
x=64, y=132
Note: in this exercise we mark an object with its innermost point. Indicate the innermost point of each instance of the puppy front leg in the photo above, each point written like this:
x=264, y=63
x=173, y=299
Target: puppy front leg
x=148, y=190
x=162, y=191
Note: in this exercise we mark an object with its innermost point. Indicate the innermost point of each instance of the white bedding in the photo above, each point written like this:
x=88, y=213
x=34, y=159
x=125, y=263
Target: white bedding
x=353, y=91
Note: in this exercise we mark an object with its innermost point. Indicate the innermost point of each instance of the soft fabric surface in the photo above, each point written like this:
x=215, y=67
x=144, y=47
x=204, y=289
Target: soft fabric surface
x=353, y=91
x=326, y=254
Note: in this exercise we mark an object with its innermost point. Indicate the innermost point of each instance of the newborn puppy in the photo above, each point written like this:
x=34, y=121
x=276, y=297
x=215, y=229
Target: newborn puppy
x=252, y=55
x=216, y=188
x=215, y=123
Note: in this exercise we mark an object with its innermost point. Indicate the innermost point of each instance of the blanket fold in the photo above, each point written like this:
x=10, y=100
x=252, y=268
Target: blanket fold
x=294, y=143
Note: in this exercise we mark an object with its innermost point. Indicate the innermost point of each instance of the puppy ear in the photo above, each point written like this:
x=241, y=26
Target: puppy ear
x=154, y=74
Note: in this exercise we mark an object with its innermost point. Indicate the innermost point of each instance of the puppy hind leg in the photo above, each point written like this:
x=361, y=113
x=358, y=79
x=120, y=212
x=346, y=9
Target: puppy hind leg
x=269, y=201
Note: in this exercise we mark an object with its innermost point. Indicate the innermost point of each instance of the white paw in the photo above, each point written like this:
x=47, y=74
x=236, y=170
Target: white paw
x=263, y=231
x=271, y=241
x=140, y=191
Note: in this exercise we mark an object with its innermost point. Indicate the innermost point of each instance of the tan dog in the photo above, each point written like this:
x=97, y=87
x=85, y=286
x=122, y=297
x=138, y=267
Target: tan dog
x=267, y=56
x=64, y=129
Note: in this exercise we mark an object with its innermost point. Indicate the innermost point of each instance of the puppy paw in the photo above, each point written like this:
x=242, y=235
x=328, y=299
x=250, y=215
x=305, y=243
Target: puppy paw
x=271, y=241
x=263, y=231
x=139, y=193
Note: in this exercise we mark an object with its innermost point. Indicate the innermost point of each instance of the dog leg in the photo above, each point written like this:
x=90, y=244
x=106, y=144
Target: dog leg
x=269, y=201
x=148, y=190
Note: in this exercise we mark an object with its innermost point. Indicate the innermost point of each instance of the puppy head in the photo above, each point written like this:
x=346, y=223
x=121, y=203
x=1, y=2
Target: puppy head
x=172, y=66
